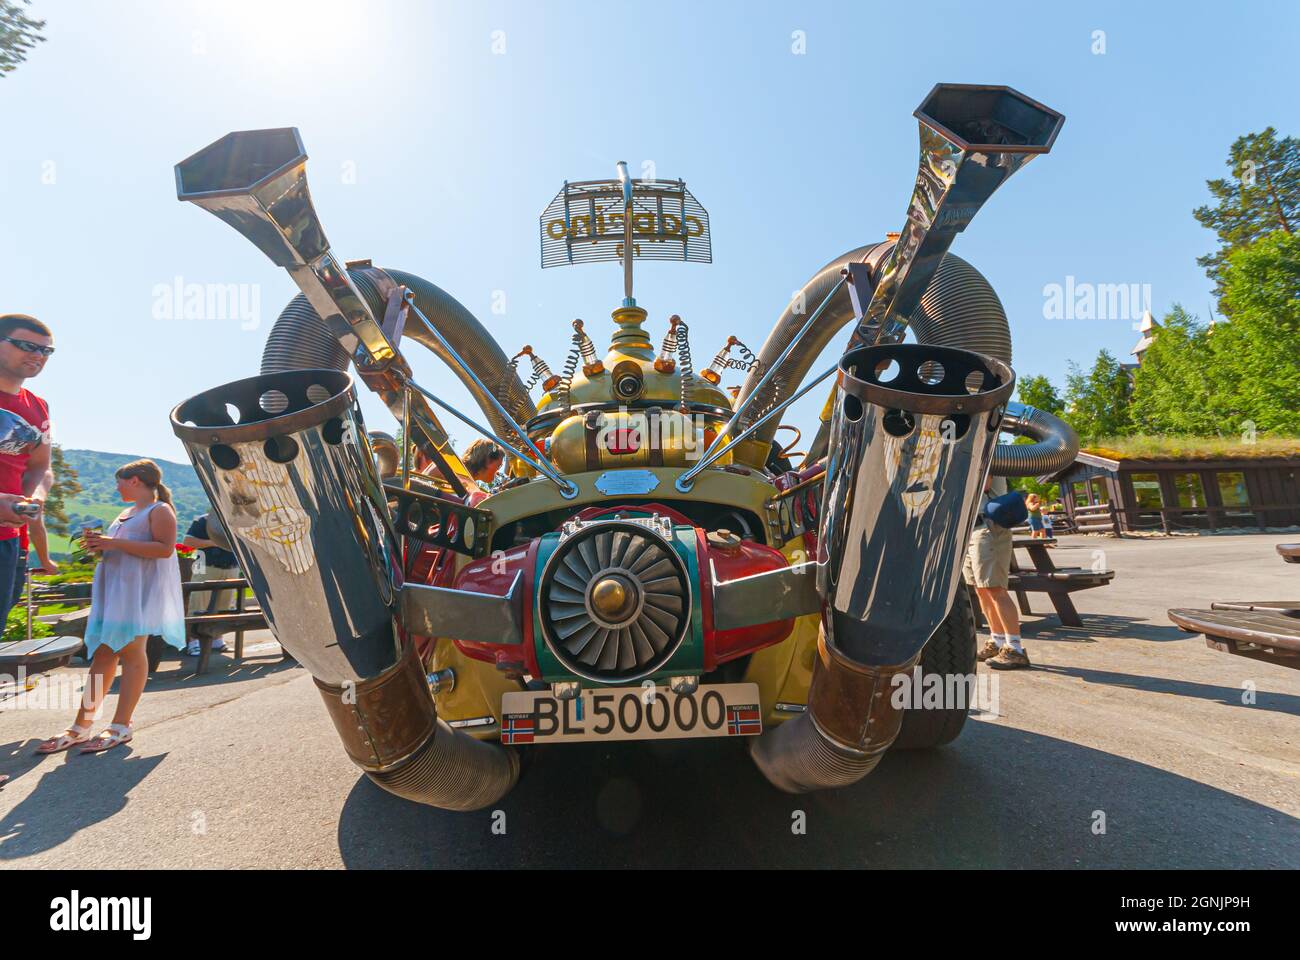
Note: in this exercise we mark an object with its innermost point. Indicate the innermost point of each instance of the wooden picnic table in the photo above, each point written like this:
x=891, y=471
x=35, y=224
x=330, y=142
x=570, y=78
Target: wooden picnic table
x=207, y=626
x=1267, y=630
x=1046, y=577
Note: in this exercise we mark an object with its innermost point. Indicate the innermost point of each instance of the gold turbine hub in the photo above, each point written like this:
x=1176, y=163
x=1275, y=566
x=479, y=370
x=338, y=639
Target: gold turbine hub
x=613, y=598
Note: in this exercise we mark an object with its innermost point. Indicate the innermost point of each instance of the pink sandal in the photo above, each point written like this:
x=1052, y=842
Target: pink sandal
x=65, y=741
x=116, y=735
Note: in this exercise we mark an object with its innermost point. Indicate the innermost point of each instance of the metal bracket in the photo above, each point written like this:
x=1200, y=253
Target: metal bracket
x=765, y=597
x=440, y=522
x=464, y=614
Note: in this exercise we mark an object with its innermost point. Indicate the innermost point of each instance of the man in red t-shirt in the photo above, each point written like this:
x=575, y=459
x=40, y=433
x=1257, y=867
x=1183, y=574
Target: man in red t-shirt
x=25, y=477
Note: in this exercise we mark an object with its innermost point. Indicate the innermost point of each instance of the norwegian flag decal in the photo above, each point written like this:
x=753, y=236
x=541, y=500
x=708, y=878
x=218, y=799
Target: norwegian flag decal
x=517, y=728
x=744, y=720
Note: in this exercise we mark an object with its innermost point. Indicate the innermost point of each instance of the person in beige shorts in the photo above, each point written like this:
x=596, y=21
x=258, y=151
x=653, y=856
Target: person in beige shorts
x=988, y=570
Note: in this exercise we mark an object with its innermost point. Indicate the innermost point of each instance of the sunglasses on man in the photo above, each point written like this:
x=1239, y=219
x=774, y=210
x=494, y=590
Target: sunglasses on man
x=26, y=346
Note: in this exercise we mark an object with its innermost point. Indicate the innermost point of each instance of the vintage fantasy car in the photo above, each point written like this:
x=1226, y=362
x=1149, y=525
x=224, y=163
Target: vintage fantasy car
x=655, y=564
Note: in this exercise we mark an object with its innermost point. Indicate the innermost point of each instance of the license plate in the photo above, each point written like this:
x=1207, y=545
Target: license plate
x=631, y=713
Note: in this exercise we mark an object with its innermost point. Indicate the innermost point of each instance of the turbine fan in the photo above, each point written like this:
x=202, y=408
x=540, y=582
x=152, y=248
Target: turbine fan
x=615, y=601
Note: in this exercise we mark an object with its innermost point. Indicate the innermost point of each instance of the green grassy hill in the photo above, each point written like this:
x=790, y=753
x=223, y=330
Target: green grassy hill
x=99, y=500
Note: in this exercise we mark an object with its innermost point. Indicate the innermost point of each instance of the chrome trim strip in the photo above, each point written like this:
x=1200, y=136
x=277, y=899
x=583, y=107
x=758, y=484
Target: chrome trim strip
x=765, y=597
x=464, y=614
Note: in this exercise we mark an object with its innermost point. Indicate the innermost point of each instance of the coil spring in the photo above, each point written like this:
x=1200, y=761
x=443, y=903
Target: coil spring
x=570, y=367
x=540, y=371
x=750, y=362
x=502, y=390
x=684, y=361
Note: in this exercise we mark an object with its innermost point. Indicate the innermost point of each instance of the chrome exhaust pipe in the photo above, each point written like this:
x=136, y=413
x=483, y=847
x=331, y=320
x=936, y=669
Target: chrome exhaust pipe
x=256, y=181
x=290, y=471
x=909, y=456
x=973, y=138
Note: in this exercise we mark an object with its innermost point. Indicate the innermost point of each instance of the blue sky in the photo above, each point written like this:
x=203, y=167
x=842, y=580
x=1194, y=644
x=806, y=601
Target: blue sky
x=433, y=152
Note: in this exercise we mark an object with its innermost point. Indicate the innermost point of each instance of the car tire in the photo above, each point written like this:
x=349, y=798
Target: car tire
x=950, y=651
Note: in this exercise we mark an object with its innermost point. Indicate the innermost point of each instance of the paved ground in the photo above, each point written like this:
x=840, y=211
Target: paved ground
x=1127, y=716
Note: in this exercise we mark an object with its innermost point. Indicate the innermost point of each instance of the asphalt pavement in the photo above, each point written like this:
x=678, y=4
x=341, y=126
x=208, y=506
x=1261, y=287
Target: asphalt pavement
x=1130, y=744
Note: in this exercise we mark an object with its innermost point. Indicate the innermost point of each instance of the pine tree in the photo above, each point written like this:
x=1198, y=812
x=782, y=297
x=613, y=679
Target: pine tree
x=1258, y=349
x=66, y=486
x=1097, y=403
x=1261, y=196
x=18, y=34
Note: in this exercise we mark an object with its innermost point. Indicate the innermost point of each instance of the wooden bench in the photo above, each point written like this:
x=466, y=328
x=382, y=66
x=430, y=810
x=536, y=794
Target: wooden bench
x=1097, y=518
x=206, y=627
x=37, y=655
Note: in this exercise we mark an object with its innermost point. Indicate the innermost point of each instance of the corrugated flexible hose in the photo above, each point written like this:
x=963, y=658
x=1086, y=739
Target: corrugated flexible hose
x=300, y=340
x=454, y=771
x=958, y=309
x=796, y=758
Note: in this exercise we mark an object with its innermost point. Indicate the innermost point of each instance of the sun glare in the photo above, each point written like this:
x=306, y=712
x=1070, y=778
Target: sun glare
x=291, y=31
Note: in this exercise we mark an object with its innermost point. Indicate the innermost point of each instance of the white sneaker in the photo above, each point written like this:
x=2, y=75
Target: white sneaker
x=192, y=648
x=218, y=645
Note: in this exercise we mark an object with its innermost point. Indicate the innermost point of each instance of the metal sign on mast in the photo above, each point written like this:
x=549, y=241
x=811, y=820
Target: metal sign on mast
x=624, y=220
x=628, y=248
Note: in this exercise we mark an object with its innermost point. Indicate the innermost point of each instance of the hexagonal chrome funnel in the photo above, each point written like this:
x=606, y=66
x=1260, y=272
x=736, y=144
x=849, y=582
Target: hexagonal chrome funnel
x=256, y=181
x=973, y=138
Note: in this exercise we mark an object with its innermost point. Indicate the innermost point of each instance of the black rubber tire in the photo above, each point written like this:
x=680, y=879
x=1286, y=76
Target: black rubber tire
x=950, y=651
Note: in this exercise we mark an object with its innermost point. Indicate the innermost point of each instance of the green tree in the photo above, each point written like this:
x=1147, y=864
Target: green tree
x=1097, y=402
x=1258, y=349
x=1179, y=388
x=1037, y=391
x=18, y=34
x=66, y=486
x=1262, y=195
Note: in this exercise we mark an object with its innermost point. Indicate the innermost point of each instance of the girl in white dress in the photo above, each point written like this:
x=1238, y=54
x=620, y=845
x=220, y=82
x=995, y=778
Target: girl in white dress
x=137, y=593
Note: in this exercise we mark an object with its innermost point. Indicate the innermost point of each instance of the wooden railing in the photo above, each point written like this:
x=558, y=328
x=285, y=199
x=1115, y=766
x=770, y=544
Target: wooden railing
x=1096, y=518
x=1106, y=517
x=1167, y=518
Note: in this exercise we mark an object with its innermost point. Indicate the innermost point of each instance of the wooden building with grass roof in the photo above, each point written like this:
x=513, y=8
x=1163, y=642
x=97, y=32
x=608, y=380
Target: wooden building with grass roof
x=1186, y=483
